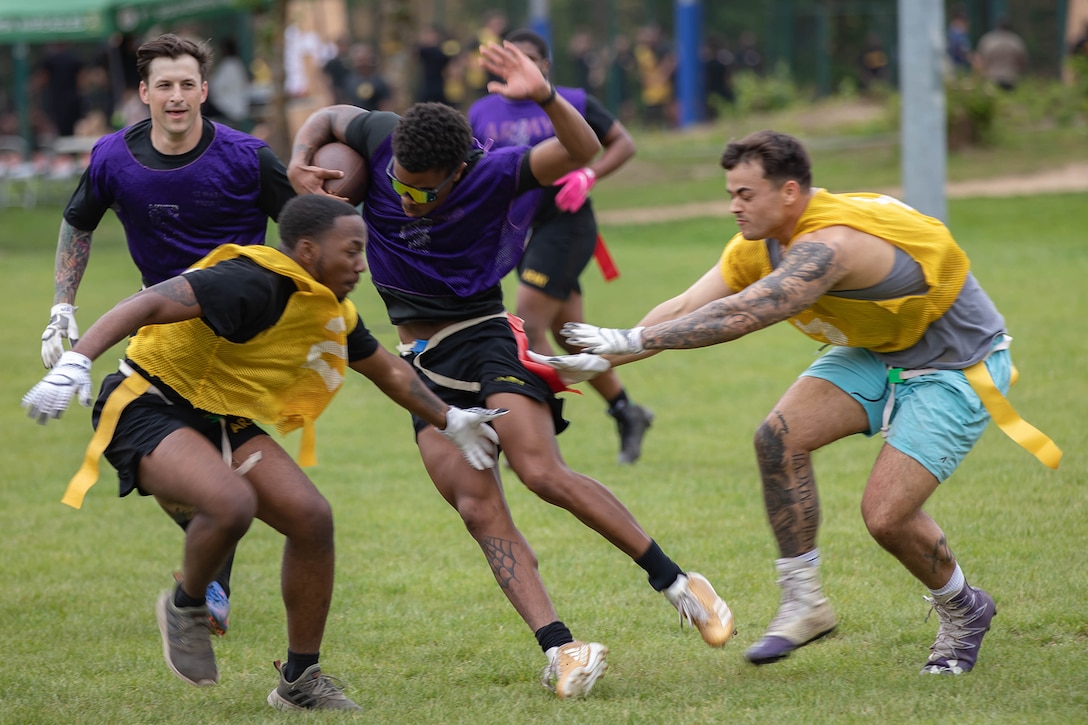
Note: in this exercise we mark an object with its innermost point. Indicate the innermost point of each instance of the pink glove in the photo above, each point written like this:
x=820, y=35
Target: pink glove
x=576, y=186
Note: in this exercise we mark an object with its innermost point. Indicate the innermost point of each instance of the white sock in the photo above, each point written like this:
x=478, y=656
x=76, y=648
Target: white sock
x=811, y=558
x=953, y=587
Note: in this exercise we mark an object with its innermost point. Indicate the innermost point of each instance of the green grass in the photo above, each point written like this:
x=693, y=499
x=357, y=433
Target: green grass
x=420, y=631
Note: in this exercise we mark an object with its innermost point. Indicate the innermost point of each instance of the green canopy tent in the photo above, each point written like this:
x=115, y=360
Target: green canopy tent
x=23, y=23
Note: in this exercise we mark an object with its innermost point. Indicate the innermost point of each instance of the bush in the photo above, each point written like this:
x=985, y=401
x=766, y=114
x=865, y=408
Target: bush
x=971, y=106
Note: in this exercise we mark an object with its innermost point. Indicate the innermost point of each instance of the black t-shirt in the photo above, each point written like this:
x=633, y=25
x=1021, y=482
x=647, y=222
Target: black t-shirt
x=85, y=211
x=240, y=299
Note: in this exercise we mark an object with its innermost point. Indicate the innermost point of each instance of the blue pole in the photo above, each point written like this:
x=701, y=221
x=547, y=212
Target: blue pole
x=689, y=69
x=540, y=21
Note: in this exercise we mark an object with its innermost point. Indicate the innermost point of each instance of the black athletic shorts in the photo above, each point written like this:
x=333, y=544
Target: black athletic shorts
x=485, y=353
x=148, y=419
x=558, y=252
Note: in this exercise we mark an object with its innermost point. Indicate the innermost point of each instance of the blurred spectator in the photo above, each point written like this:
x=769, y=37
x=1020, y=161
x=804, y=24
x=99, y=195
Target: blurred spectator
x=435, y=53
x=96, y=118
x=228, y=88
x=872, y=63
x=368, y=88
x=749, y=58
x=656, y=67
x=337, y=70
x=622, y=79
x=494, y=29
x=960, y=56
x=718, y=63
x=59, y=80
x=1002, y=55
x=304, y=54
x=586, y=62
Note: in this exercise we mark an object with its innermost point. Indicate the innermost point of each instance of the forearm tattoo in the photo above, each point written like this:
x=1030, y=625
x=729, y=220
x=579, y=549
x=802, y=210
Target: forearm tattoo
x=789, y=490
x=176, y=289
x=941, y=555
x=806, y=274
x=501, y=559
x=73, y=252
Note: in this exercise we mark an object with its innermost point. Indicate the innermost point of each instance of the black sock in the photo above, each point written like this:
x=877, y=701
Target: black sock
x=661, y=569
x=297, y=664
x=617, y=404
x=555, y=634
x=182, y=599
x=223, y=577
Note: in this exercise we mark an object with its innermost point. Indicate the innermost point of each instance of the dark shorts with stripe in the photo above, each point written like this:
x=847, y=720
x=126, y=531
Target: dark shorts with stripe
x=485, y=353
x=558, y=252
x=148, y=419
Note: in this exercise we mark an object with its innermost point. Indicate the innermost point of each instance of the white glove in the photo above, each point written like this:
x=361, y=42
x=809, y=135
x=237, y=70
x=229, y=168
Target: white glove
x=50, y=397
x=604, y=340
x=62, y=325
x=479, y=443
x=574, y=369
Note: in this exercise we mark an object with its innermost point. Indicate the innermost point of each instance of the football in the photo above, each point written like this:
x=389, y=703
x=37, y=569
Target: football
x=356, y=177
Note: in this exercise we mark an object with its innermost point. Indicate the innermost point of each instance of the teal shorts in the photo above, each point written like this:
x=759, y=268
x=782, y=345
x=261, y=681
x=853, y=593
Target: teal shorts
x=936, y=418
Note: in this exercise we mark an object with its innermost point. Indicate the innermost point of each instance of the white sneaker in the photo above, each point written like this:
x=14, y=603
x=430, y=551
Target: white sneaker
x=804, y=614
x=574, y=668
x=697, y=602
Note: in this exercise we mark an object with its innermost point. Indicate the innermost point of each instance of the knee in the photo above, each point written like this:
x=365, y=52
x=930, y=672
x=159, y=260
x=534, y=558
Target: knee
x=235, y=515
x=546, y=482
x=880, y=521
x=770, y=444
x=311, y=520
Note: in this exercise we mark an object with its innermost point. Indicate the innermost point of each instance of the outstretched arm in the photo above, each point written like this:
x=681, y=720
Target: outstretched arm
x=807, y=272
x=467, y=429
x=169, y=301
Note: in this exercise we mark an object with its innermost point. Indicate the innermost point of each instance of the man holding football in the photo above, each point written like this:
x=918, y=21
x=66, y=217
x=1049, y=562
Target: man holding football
x=447, y=221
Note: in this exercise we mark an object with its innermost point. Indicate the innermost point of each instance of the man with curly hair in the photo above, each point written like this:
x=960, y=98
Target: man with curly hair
x=448, y=220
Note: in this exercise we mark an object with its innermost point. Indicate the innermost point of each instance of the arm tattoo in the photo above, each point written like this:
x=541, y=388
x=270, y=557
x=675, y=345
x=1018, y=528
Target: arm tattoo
x=501, y=559
x=806, y=273
x=176, y=289
x=73, y=252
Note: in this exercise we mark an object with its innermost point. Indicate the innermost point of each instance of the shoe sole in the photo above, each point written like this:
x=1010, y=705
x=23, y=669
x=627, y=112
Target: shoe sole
x=219, y=626
x=779, y=657
x=581, y=680
x=277, y=701
x=164, y=629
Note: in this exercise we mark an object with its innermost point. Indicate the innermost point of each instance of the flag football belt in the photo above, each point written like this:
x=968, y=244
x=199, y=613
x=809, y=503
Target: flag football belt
x=549, y=374
x=997, y=405
x=133, y=386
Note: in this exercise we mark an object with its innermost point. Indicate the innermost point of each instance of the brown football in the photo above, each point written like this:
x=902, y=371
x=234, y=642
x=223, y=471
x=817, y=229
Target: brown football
x=342, y=157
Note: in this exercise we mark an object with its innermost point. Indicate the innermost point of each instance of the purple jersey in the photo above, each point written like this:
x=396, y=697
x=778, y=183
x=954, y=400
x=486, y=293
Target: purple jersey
x=175, y=217
x=517, y=123
x=464, y=247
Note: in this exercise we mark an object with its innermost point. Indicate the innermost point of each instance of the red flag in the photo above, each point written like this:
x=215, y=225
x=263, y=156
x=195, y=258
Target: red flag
x=604, y=260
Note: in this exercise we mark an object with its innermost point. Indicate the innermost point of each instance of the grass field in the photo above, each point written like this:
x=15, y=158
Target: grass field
x=419, y=630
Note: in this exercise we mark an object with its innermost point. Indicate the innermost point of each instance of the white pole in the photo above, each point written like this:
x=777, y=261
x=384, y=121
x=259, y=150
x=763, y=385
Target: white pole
x=921, y=84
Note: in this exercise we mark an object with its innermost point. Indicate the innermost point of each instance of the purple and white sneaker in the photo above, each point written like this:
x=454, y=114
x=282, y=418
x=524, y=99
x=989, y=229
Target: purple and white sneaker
x=965, y=619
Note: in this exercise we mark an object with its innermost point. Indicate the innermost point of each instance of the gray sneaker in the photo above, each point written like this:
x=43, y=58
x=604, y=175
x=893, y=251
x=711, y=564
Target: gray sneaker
x=187, y=641
x=804, y=614
x=964, y=622
x=632, y=421
x=311, y=691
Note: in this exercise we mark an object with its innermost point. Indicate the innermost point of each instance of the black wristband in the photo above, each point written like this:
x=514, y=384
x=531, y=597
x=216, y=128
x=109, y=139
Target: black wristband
x=549, y=99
